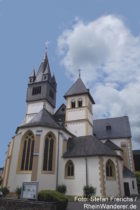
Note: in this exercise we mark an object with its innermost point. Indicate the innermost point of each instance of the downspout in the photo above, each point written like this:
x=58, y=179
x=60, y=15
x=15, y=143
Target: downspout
x=86, y=161
x=57, y=166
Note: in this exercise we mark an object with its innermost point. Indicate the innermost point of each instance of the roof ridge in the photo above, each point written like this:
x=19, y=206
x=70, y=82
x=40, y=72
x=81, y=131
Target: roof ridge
x=125, y=116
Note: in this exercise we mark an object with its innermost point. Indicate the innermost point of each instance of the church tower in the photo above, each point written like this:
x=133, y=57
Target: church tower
x=79, y=115
x=41, y=91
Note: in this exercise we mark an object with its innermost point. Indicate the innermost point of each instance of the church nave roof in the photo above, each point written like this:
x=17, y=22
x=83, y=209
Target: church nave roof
x=87, y=146
x=112, y=128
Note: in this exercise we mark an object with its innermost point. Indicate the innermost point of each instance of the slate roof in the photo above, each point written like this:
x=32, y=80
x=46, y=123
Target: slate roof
x=127, y=173
x=87, y=146
x=33, y=73
x=60, y=114
x=136, y=152
x=43, y=118
x=2, y=168
x=120, y=128
x=111, y=145
x=78, y=88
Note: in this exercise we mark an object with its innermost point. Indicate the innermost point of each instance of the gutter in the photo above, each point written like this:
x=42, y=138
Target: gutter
x=57, y=165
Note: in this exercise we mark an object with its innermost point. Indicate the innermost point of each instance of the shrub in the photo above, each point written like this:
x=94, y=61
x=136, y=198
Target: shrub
x=89, y=191
x=61, y=189
x=54, y=196
x=5, y=191
x=18, y=192
x=138, y=176
x=138, y=180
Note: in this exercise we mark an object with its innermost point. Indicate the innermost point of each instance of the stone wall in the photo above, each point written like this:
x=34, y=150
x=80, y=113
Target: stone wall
x=12, y=204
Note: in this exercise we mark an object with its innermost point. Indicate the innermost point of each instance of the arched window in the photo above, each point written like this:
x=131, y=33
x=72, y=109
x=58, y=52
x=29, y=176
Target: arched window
x=69, y=169
x=49, y=153
x=27, y=149
x=73, y=103
x=80, y=103
x=110, y=169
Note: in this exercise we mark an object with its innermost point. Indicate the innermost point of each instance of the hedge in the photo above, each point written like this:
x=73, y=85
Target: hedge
x=54, y=196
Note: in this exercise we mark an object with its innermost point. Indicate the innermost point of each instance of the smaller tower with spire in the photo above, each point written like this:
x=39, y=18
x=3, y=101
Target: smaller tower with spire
x=41, y=90
x=79, y=116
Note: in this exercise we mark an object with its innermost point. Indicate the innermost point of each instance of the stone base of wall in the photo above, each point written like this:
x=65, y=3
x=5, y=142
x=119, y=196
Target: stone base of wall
x=15, y=204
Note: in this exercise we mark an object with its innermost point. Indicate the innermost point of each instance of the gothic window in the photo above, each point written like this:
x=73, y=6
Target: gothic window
x=36, y=90
x=27, y=149
x=110, y=169
x=80, y=102
x=49, y=153
x=69, y=169
x=73, y=104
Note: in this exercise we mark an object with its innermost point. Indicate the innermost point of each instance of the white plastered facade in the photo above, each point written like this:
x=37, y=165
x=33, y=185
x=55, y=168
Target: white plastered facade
x=79, y=121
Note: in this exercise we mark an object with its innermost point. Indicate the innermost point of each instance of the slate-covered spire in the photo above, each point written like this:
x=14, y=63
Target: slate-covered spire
x=78, y=88
x=44, y=72
x=32, y=77
x=43, y=86
x=47, y=72
x=53, y=81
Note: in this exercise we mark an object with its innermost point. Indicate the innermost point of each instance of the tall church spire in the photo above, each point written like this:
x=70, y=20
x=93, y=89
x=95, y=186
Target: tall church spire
x=44, y=72
x=41, y=88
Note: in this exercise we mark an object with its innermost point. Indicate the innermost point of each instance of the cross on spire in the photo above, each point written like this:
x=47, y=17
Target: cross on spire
x=79, y=70
x=46, y=45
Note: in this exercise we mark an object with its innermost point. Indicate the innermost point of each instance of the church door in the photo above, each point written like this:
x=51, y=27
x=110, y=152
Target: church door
x=126, y=189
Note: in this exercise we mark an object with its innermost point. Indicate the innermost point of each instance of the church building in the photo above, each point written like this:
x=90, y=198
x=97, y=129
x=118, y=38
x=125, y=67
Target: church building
x=68, y=146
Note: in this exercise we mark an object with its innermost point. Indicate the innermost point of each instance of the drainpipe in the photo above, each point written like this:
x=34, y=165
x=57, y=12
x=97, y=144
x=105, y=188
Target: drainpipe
x=57, y=166
x=86, y=161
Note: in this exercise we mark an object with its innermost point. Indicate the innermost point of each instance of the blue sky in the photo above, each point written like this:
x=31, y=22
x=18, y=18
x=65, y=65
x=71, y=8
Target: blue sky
x=26, y=25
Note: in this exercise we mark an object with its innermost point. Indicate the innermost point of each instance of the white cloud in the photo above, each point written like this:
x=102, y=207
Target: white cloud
x=109, y=56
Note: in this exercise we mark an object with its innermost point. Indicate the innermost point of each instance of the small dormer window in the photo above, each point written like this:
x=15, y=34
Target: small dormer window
x=36, y=90
x=73, y=104
x=80, y=102
x=31, y=80
x=44, y=77
x=63, y=109
x=108, y=127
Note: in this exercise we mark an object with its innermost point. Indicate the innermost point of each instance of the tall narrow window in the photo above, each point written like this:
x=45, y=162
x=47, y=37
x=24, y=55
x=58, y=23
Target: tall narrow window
x=69, y=169
x=49, y=152
x=110, y=169
x=80, y=104
x=27, y=148
x=73, y=104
